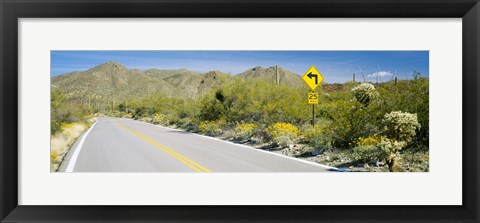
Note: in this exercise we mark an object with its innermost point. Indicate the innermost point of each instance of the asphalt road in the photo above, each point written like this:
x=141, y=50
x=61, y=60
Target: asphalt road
x=125, y=145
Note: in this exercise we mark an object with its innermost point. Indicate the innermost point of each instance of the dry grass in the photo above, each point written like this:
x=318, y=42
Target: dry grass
x=61, y=142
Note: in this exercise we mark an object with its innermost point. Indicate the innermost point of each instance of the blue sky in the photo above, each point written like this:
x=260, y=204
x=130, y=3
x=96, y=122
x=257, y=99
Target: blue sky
x=335, y=66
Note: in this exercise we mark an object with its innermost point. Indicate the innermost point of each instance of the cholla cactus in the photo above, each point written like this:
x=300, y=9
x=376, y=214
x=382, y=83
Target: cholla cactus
x=390, y=151
x=400, y=126
x=364, y=93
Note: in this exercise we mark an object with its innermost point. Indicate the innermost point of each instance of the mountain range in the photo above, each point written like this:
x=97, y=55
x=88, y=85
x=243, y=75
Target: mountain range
x=114, y=81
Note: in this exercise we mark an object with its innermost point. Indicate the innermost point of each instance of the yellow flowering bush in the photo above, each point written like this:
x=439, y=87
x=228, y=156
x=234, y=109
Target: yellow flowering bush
x=283, y=134
x=373, y=140
x=367, y=148
x=158, y=118
x=62, y=140
x=245, y=131
x=211, y=128
x=65, y=125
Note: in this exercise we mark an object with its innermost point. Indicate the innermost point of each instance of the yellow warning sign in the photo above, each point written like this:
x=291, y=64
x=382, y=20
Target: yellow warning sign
x=312, y=98
x=313, y=78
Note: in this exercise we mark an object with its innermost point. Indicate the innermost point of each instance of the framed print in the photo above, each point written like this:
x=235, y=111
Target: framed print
x=225, y=111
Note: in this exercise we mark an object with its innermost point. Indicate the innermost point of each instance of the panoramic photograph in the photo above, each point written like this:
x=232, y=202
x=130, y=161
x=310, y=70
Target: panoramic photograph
x=239, y=111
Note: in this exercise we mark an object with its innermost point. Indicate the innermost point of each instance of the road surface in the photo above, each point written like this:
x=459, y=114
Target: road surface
x=125, y=145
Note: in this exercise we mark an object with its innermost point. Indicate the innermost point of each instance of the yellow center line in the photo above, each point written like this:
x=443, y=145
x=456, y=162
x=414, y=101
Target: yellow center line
x=190, y=163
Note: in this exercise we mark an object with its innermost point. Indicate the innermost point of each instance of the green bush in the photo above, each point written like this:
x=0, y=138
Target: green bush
x=255, y=102
x=319, y=137
x=366, y=149
x=187, y=124
x=368, y=153
x=63, y=110
x=321, y=142
x=211, y=128
x=158, y=118
x=350, y=120
x=146, y=119
x=55, y=126
x=284, y=140
x=411, y=97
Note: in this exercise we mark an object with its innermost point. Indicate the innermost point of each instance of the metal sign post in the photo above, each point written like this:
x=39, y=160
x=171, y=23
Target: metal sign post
x=313, y=99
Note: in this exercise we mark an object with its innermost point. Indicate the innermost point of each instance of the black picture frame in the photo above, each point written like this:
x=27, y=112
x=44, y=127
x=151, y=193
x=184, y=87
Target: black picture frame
x=11, y=11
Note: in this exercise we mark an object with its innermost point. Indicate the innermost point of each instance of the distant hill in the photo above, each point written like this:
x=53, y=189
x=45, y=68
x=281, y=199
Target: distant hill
x=109, y=81
x=157, y=73
x=268, y=74
x=112, y=83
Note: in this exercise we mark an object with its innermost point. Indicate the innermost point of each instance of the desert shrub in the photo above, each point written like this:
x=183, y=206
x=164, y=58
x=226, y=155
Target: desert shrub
x=283, y=134
x=261, y=135
x=72, y=129
x=245, y=131
x=350, y=120
x=283, y=140
x=146, y=119
x=118, y=114
x=364, y=93
x=144, y=111
x=65, y=111
x=211, y=128
x=54, y=158
x=411, y=97
x=54, y=126
x=61, y=141
x=158, y=118
x=373, y=140
x=367, y=154
x=318, y=137
x=308, y=132
x=321, y=142
x=366, y=149
x=212, y=109
x=254, y=102
x=188, y=124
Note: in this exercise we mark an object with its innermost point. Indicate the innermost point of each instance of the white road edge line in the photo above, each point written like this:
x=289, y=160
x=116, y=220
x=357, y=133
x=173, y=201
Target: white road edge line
x=73, y=159
x=248, y=147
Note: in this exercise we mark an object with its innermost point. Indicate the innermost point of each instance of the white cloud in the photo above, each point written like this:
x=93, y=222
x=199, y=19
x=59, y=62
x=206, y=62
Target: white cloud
x=381, y=74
